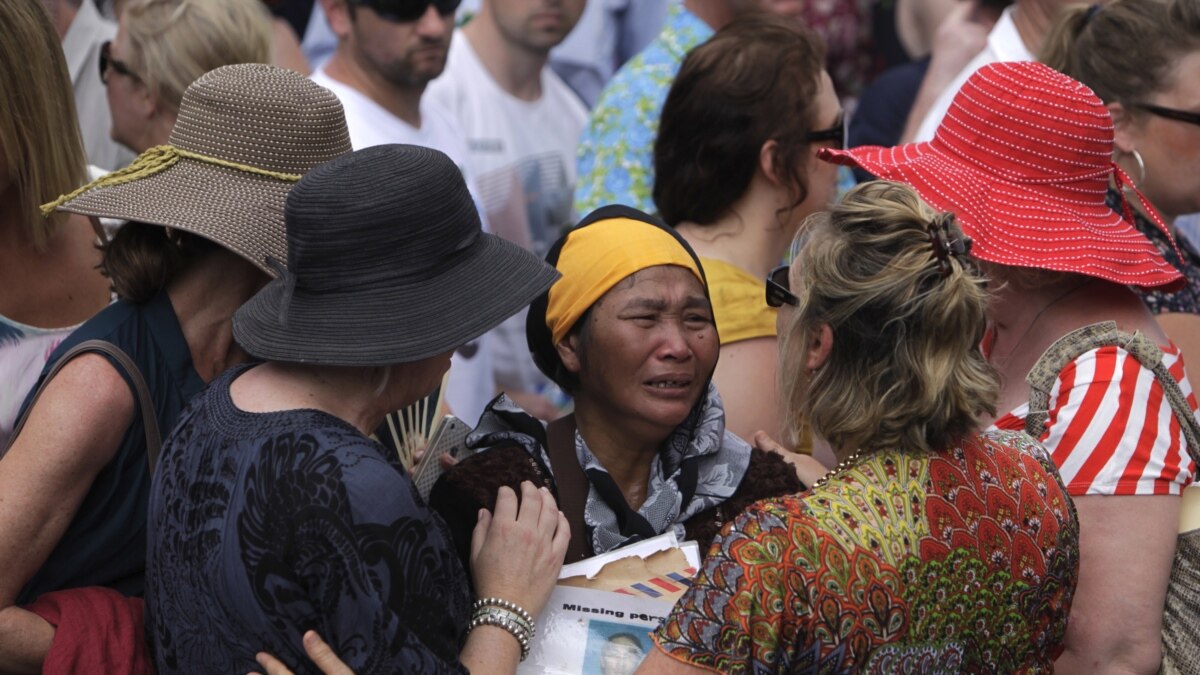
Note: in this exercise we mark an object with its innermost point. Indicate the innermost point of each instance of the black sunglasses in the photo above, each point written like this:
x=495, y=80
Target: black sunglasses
x=107, y=61
x=1169, y=113
x=407, y=11
x=837, y=132
x=778, y=293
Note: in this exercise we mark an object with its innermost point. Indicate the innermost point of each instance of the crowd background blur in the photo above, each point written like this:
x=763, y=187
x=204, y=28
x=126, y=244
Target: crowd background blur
x=709, y=115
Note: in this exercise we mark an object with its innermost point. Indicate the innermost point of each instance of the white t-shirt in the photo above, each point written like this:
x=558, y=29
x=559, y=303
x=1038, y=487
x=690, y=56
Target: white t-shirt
x=522, y=154
x=1003, y=44
x=472, y=382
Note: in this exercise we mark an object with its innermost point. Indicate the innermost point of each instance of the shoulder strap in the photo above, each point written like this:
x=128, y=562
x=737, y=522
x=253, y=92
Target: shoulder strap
x=570, y=481
x=1042, y=376
x=141, y=392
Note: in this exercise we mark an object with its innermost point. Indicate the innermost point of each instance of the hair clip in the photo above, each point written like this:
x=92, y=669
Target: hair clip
x=945, y=246
x=1091, y=12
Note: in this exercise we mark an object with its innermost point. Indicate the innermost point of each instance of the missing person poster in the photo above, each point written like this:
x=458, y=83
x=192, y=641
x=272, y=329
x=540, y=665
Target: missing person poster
x=590, y=632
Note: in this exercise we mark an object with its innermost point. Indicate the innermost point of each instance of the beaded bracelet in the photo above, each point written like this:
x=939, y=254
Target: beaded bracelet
x=509, y=621
x=513, y=607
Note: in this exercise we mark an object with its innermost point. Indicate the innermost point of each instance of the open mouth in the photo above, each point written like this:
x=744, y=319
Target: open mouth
x=669, y=383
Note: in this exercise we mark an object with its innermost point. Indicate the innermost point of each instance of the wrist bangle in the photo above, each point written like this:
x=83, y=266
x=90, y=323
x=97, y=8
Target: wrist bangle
x=509, y=621
x=504, y=604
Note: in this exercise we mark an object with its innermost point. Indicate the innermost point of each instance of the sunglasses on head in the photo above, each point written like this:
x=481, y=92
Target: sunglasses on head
x=107, y=61
x=837, y=133
x=778, y=293
x=406, y=11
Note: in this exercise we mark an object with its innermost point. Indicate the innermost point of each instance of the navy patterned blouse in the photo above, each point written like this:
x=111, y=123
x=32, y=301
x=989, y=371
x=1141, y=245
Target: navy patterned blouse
x=1187, y=299
x=263, y=525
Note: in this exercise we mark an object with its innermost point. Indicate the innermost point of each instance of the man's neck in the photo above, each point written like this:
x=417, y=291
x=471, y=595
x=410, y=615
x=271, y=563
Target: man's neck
x=62, y=14
x=404, y=103
x=1033, y=20
x=515, y=69
x=715, y=13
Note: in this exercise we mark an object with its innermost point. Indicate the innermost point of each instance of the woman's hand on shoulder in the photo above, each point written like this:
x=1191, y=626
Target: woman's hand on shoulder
x=808, y=469
x=321, y=654
x=517, y=552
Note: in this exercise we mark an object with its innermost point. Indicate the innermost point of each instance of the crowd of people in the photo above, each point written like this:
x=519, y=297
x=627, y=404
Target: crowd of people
x=935, y=421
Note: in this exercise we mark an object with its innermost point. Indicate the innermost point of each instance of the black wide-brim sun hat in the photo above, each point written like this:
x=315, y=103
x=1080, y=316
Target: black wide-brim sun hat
x=387, y=264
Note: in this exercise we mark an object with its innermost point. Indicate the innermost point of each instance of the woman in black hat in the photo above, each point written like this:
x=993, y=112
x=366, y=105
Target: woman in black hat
x=628, y=330
x=273, y=512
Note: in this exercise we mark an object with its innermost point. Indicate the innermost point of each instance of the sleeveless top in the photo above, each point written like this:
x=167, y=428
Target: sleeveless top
x=105, y=544
x=739, y=302
x=24, y=350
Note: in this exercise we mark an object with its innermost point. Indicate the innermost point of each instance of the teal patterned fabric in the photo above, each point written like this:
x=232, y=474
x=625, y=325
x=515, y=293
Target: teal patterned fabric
x=616, y=152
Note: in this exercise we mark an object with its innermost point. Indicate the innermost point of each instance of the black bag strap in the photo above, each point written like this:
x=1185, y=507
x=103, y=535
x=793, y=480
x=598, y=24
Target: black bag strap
x=140, y=390
x=571, y=483
x=1042, y=376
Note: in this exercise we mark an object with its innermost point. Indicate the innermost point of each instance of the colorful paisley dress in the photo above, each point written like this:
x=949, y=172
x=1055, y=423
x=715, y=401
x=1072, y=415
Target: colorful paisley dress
x=959, y=561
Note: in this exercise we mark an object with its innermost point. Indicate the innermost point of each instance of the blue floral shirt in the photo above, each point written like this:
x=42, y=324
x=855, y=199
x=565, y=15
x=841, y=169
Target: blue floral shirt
x=616, y=152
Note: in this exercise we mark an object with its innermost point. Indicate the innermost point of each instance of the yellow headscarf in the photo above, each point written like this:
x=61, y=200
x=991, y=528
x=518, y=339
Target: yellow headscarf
x=597, y=257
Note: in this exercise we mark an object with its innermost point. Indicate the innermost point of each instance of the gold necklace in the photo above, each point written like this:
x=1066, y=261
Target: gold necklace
x=842, y=465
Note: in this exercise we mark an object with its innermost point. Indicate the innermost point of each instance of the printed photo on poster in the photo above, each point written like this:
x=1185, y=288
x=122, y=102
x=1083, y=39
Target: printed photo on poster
x=614, y=648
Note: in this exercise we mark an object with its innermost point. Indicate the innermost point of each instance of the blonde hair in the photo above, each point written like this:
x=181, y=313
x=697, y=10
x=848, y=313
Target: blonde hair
x=39, y=133
x=173, y=42
x=905, y=370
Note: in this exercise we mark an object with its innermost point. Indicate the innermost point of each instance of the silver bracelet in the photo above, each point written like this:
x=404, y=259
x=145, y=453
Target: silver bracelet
x=509, y=621
x=505, y=604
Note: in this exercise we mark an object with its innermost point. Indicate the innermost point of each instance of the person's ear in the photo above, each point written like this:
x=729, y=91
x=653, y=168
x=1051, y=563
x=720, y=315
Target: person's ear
x=767, y=161
x=820, y=348
x=569, y=353
x=338, y=14
x=1125, y=129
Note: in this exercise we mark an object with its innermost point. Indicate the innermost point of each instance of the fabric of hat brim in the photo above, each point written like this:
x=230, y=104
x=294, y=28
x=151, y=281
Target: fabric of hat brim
x=397, y=325
x=242, y=212
x=1022, y=225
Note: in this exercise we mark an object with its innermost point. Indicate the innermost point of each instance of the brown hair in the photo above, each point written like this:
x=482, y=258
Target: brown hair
x=142, y=259
x=755, y=80
x=1126, y=50
x=905, y=370
x=39, y=132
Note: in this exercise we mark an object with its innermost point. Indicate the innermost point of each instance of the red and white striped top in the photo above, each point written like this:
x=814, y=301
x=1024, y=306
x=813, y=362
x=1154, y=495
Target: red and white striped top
x=1111, y=430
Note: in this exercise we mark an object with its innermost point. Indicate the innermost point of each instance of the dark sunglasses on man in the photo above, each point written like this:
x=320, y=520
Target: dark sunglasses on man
x=778, y=293
x=107, y=61
x=407, y=11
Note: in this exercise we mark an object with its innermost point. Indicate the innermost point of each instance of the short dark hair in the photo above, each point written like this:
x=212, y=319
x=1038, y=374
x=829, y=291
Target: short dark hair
x=755, y=80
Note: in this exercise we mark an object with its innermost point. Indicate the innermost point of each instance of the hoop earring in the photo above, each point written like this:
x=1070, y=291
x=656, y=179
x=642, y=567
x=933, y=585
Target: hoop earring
x=1141, y=167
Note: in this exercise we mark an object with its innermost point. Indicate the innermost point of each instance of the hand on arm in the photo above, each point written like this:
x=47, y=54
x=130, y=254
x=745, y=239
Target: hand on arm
x=516, y=554
x=72, y=432
x=808, y=469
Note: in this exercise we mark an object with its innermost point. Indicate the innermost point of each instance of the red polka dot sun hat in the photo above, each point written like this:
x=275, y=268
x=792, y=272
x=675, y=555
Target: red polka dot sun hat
x=1023, y=159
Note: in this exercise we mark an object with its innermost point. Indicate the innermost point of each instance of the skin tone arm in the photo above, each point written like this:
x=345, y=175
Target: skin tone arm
x=516, y=554
x=956, y=42
x=72, y=433
x=746, y=376
x=1126, y=547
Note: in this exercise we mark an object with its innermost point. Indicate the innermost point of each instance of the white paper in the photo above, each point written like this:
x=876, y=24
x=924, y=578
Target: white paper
x=587, y=632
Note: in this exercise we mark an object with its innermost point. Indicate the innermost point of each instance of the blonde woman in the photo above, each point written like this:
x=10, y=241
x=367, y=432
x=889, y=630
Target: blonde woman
x=162, y=46
x=932, y=545
x=48, y=278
